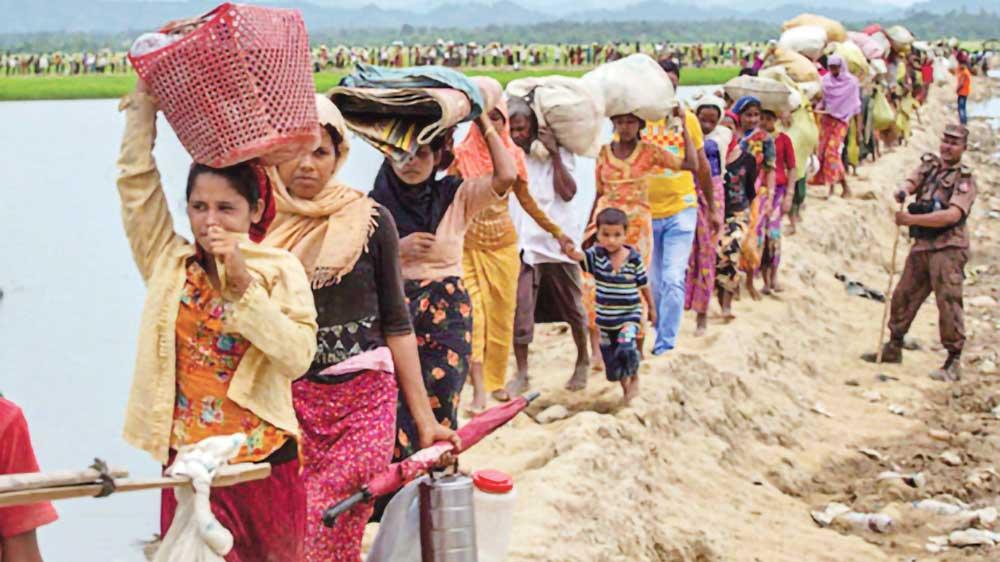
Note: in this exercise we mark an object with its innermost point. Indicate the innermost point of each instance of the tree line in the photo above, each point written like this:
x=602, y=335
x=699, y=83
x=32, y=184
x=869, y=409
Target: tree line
x=967, y=26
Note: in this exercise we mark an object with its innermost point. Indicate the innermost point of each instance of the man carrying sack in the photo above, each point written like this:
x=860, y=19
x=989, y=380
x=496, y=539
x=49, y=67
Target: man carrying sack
x=945, y=190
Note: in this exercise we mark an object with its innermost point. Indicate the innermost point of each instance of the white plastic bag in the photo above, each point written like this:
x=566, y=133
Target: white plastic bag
x=195, y=534
x=617, y=81
x=569, y=107
x=807, y=40
x=398, y=537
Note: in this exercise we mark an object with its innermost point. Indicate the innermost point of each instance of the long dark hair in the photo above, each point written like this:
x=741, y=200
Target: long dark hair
x=241, y=177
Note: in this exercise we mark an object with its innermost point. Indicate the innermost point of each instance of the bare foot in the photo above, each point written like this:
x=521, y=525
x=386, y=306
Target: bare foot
x=631, y=389
x=579, y=379
x=754, y=294
x=765, y=291
x=596, y=362
x=472, y=410
x=702, y=324
x=727, y=315
x=500, y=395
x=518, y=385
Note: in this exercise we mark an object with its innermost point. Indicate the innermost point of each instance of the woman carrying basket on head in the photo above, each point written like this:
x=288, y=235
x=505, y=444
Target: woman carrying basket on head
x=227, y=326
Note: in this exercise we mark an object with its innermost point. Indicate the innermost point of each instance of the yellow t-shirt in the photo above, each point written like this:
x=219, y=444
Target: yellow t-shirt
x=671, y=192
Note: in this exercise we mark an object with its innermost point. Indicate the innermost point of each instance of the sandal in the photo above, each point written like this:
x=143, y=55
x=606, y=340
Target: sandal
x=500, y=395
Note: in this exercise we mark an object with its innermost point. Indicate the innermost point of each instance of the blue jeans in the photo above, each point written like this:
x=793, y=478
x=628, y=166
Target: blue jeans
x=672, y=240
x=963, y=116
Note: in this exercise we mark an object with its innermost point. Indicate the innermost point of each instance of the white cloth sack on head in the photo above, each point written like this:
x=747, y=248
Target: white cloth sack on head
x=195, y=534
x=635, y=84
x=570, y=108
x=942, y=73
x=807, y=40
x=398, y=537
x=773, y=95
x=900, y=37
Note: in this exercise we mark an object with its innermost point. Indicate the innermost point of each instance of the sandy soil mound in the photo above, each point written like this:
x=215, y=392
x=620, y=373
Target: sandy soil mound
x=740, y=434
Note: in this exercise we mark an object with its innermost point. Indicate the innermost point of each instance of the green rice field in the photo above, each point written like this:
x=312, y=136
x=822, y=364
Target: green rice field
x=114, y=86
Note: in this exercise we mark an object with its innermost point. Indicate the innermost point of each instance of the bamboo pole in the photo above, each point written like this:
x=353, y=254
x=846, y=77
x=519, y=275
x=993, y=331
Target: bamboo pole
x=888, y=293
x=35, y=480
x=228, y=475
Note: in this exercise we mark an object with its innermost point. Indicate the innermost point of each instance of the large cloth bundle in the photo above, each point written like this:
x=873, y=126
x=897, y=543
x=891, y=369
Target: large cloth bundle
x=900, y=37
x=834, y=30
x=942, y=74
x=773, y=95
x=807, y=40
x=880, y=39
x=870, y=47
x=569, y=107
x=857, y=64
x=798, y=67
x=806, y=91
x=195, y=534
x=397, y=110
x=617, y=81
x=215, y=79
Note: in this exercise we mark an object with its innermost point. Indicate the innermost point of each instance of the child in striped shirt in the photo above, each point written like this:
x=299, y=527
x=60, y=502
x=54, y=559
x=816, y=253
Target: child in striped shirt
x=620, y=277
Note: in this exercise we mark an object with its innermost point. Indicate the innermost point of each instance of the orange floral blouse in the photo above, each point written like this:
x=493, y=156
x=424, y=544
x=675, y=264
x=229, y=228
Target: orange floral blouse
x=206, y=361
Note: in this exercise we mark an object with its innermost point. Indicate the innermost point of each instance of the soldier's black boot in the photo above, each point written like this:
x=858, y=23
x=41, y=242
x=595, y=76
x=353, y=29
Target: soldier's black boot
x=892, y=352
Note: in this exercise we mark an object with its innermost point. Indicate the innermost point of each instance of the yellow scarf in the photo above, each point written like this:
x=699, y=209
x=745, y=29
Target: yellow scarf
x=329, y=232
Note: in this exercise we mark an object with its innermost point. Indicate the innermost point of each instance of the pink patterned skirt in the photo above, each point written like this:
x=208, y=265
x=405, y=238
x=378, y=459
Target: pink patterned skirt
x=348, y=432
x=700, y=280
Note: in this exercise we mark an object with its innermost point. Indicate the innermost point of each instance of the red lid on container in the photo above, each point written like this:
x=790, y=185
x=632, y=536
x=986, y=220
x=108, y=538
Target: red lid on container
x=493, y=481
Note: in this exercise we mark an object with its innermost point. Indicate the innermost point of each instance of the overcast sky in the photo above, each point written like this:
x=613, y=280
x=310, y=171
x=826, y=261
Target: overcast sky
x=584, y=4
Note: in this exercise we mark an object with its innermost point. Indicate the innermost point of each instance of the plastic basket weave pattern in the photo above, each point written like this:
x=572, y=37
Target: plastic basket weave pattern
x=238, y=87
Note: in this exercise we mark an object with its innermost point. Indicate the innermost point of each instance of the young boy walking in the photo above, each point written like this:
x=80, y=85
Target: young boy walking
x=622, y=292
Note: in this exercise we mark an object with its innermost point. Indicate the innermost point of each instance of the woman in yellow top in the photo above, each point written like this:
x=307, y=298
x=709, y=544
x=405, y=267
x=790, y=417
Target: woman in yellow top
x=491, y=261
x=623, y=168
x=226, y=327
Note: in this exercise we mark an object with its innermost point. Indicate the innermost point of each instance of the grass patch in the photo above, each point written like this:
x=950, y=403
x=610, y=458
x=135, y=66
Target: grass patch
x=19, y=88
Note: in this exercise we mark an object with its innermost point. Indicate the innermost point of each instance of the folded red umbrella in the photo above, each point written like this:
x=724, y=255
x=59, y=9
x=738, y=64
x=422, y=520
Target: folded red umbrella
x=401, y=473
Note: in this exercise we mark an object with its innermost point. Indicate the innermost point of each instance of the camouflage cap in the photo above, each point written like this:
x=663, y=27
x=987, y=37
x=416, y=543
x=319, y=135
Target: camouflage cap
x=956, y=131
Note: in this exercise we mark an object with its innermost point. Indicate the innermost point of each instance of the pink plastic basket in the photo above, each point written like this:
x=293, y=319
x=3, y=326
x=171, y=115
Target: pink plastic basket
x=238, y=87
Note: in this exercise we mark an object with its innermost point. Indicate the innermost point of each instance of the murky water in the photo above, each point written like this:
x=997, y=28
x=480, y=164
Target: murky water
x=72, y=299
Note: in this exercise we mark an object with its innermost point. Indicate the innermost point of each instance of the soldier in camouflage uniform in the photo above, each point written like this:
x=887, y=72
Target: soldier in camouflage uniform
x=944, y=190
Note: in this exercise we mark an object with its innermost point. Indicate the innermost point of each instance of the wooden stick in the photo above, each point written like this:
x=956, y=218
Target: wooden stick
x=34, y=480
x=888, y=294
x=228, y=475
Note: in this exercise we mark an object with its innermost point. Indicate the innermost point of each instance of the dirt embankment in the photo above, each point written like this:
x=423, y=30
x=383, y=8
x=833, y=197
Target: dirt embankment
x=740, y=434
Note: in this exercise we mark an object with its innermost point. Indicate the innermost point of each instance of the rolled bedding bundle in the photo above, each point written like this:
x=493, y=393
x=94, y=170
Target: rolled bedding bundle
x=773, y=95
x=617, y=82
x=569, y=107
x=397, y=110
x=213, y=79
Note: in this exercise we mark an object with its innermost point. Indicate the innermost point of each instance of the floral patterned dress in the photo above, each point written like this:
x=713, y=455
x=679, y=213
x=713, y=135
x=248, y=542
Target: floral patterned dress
x=621, y=184
x=207, y=358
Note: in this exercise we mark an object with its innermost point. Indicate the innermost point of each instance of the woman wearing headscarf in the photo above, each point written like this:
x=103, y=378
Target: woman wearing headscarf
x=366, y=349
x=621, y=176
x=740, y=179
x=701, y=266
x=759, y=144
x=841, y=102
x=227, y=326
x=491, y=260
x=432, y=216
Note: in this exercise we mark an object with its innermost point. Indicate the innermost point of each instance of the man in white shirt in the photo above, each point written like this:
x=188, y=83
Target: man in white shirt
x=550, y=284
